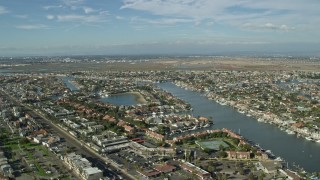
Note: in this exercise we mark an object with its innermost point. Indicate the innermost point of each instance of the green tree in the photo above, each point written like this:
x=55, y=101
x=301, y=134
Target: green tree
x=221, y=148
x=222, y=154
x=251, y=176
x=261, y=175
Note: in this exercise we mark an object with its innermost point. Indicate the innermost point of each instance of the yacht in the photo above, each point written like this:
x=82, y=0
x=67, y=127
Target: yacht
x=222, y=102
x=308, y=138
x=270, y=154
x=103, y=95
x=289, y=131
x=241, y=111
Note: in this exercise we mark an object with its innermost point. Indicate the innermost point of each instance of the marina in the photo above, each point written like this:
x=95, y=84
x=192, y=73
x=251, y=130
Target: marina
x=297, y=151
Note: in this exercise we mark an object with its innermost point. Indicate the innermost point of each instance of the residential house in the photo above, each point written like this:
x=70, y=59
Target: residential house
x=202, y=174
x=155, y=135
x=238, y=155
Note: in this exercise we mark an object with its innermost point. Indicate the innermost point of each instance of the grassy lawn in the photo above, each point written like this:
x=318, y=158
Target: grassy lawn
x=190, y=145
x=30, y=156
x=4, y=131
x=41, y=171
x=33, y=153
x=29, y=145
x=44, y=150
x=68, y=178
x=231, y=143
x=12, y=145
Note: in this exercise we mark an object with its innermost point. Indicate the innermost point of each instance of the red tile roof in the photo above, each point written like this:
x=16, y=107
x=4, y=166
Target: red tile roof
x=165, y=168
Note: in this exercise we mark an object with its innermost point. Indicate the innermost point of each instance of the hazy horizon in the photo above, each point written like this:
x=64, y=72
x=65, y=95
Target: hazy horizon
x=131, y=27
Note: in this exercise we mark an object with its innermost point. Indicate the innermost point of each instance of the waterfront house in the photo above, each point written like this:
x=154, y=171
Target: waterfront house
x=269, y=167
x=238, y=155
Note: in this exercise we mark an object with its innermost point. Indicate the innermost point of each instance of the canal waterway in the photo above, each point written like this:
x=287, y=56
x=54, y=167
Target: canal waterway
x=121, y=99
x=4, y=70
x=125, y=99
x=67, y=81
x=296, y=151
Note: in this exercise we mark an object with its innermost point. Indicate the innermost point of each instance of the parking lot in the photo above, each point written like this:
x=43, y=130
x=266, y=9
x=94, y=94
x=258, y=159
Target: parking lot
x=133, y=162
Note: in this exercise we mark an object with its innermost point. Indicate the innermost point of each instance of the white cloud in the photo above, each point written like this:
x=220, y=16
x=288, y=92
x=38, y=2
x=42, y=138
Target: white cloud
x=3, y=10
x=196, y=9
x=50, y=17
x=66, y=4
x=120, y=17
x=52, y=7
x=81, y=18
x=88, y=10
x=268, y=26
x=21, y=16
x=161, y=21
x=286, y=28
x=234, y=12
x=72, y=2
x=82, y=13
x=104, y=13
x=32, y=26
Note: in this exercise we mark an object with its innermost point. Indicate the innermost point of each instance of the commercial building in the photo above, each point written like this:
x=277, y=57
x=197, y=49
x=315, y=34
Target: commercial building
x=82, y=167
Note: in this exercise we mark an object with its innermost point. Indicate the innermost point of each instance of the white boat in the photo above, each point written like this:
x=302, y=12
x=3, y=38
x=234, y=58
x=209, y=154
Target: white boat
x=308, y=138
x=279, y=159
x=241, y=111
x=289, y=131
x=318, y=141
x=103, y=95
x=260, y=120
x=195, y=127
x=270, y=153
x=222, y=102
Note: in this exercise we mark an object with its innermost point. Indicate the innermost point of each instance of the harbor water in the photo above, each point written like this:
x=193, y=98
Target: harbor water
x=121, y=99
x=69, y=84
x=297, y=151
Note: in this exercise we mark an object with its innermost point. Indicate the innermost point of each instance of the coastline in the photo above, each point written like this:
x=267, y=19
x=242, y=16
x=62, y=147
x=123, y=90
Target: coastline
x=139, y=98
x=266, y=117
x=75, y=84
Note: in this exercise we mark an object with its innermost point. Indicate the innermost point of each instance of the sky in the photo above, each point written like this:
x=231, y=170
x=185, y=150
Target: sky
x=115, y=27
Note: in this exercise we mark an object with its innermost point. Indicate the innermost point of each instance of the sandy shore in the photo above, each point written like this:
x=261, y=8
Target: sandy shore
x=139, y=98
